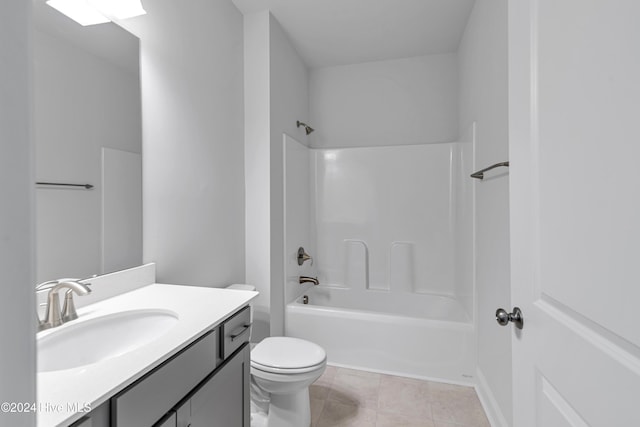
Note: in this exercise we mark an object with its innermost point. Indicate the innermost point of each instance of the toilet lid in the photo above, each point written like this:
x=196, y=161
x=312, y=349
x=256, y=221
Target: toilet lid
x=287, y=353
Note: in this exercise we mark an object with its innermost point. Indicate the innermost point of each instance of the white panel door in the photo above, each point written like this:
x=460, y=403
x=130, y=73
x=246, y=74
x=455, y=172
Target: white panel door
x=574, y=83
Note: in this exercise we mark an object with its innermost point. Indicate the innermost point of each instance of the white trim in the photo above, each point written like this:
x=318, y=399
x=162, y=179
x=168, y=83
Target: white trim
x=463, y=383
x=561, y=405
x=489, y=402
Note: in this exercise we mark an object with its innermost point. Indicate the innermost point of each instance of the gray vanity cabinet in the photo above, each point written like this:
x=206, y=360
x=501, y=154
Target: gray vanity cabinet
x=146, y=401
x=170, y=420
x=205, y=385
x=98, y=417
x=223, y=400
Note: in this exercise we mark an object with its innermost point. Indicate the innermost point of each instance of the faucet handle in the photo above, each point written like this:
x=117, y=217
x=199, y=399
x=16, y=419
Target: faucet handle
x=46, y=285
x=303, y=256
x=68, y=306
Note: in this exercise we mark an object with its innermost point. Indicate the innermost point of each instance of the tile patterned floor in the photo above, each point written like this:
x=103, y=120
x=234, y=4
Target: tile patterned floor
x=345, y=397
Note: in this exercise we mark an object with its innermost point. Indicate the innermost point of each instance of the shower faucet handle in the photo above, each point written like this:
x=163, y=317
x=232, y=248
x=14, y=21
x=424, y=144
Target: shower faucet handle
x=303, y=256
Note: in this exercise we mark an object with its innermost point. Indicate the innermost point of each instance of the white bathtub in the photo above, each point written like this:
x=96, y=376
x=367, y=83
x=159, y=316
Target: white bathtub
x=416, y=335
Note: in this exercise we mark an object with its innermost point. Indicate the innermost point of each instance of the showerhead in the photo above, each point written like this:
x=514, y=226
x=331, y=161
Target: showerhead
x=308, y=129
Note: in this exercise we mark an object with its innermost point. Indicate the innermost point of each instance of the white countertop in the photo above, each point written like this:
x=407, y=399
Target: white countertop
x=199, y=310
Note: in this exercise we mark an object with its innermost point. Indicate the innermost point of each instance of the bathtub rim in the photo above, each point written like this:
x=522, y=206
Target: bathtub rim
x=298, y=307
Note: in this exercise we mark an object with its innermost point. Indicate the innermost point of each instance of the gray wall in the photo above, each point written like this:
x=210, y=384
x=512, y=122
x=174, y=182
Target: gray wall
x=17, y=246
x=193, y=130
x=483, y=99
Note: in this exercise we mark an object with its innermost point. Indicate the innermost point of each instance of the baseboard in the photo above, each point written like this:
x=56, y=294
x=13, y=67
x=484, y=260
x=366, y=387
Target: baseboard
x=489, y=402
x=402, y=374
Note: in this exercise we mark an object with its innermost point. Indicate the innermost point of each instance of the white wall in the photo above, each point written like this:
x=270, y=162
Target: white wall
x=257, y=148
x=193, y=130
x=82, y=102
x=402, y=101
x=298, y=193
x=483, y=99
x=289, y=102
x=276, y=95
x=17, y=244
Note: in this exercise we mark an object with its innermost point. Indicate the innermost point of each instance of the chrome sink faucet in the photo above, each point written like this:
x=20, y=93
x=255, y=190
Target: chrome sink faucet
x=53, y=317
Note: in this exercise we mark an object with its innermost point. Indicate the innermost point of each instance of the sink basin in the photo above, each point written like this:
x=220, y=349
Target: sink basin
x=90, y=341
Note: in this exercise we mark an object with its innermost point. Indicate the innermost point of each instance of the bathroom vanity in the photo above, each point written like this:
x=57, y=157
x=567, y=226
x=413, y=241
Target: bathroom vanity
x=206, y=384
x=195, y=372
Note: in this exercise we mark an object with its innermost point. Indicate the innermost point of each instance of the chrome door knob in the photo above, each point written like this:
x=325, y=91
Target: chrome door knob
x=503, y=318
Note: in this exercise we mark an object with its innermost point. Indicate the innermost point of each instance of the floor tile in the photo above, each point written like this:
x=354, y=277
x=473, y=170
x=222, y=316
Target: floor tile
x=443, y=424
x=317, y=405
x=403, y=397
x=467, y=412
x=395, y=420
x=446, y=424
x=352, y=398
x=441, y=392
x=319, y=391
x=354, y=388
x=328, y=375
x=336, y=414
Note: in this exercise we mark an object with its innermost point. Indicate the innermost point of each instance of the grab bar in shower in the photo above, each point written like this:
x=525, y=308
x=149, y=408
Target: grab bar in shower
x=480, y=173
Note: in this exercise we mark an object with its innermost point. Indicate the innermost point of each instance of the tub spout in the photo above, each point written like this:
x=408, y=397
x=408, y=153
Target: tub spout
x=306, y=279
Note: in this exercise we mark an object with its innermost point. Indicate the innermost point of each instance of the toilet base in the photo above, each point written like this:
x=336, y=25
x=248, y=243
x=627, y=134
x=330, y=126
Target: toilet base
x=290, y=410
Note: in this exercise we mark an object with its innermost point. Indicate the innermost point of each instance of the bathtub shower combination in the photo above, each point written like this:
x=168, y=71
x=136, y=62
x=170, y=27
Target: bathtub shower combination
x=390, y=231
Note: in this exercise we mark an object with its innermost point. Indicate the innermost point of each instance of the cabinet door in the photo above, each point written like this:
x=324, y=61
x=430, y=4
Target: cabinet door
x=169, y=420
x=145, y=402
x=98, y=417
x=223, y=401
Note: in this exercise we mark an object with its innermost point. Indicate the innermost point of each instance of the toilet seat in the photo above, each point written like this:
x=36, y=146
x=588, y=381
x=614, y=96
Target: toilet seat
x=287, y=371
x=287, y=355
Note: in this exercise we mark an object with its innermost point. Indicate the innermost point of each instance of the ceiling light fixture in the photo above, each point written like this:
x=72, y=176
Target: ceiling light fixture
x=91, y=12
x=118, y=9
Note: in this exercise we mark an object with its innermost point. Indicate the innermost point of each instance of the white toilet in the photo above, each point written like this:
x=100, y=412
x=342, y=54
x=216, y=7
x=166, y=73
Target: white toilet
x=285, y=367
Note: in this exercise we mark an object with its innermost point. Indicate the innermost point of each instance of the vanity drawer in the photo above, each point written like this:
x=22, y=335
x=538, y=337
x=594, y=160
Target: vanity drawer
x=235, y=332
x=150, y=398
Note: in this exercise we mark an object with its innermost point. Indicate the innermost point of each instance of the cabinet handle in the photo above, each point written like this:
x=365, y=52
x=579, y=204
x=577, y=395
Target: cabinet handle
x=237, y=332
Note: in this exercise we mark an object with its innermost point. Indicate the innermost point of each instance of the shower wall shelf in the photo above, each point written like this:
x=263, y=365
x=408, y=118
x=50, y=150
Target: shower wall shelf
x=62, y=184
x=480, y=173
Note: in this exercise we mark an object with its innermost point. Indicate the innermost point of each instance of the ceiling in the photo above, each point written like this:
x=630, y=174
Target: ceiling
x=339, y=32
x=108, y=41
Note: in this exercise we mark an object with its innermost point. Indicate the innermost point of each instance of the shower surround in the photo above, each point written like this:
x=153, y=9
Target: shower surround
x=389, y=229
